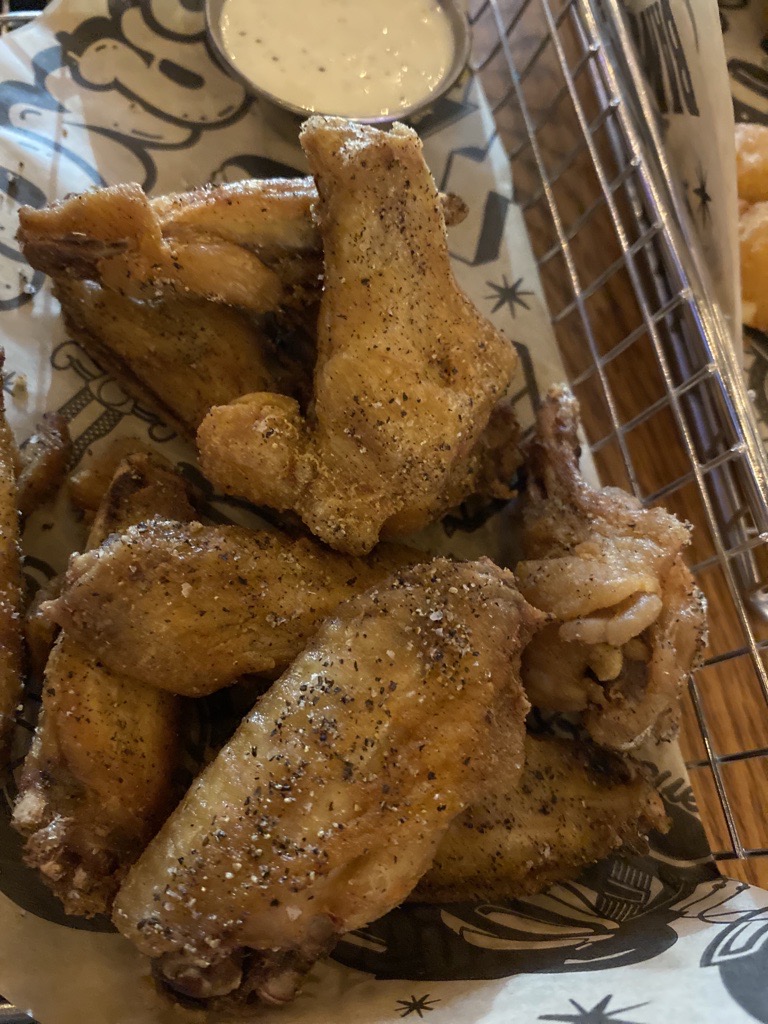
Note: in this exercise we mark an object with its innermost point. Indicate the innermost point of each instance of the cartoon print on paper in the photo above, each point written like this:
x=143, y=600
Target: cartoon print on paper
x=94, y=125
x=99, y=404
x=600, y=1013
x=740, y=952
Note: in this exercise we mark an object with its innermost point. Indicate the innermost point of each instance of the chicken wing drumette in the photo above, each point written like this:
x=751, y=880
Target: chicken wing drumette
x=409, y=374
x=629, y=621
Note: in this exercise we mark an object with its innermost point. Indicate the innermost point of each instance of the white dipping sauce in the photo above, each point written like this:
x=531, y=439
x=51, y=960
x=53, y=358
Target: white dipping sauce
x=356, y=58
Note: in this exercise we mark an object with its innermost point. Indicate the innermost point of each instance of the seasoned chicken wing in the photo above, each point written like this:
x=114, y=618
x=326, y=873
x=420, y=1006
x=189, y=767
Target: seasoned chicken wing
x=327, y=805
x=10, y=583
x=99, y=777
x=44, y=460
x=571, y=806
x=408, y=372
x=191, y=608
x=251, y=244
x=180, y=356
x=630, y=622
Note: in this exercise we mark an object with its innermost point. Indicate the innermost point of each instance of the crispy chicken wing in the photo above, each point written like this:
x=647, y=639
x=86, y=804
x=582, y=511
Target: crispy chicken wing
x=630, y=621
x=191, y=608
x=44, y=460
x=328, y=804
x=99, y=777
x=572, y=806
x=251, y=244
x=10, y=583
x=408, y=371
x=180, y=356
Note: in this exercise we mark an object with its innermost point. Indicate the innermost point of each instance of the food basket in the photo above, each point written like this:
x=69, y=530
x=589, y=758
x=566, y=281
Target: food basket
x=648, y=354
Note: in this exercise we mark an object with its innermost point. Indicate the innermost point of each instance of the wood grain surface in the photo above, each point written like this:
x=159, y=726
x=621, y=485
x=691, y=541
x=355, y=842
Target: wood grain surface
x=601, y=322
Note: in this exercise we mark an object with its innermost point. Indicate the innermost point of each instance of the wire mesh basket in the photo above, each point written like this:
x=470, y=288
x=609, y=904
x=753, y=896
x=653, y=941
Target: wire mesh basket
x=648, y=355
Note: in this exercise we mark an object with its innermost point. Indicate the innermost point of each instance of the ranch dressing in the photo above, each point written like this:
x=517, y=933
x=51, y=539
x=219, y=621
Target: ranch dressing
x=355, y=58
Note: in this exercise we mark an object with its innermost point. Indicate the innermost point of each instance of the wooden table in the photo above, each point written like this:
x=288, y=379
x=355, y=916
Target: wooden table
x=725, y=707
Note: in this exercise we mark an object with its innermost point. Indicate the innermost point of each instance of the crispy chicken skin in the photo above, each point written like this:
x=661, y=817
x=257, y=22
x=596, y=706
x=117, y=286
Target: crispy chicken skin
x=44, y=460
x=408, y=371
x=326, y=807
x=572, y=806
x=99, y=777
x=191, y=607
x=251, y=244
x=629, y=622
x=10, y=583
x=180, y=356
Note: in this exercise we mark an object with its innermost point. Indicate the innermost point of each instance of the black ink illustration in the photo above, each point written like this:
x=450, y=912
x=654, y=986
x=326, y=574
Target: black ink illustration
x=598, y=1014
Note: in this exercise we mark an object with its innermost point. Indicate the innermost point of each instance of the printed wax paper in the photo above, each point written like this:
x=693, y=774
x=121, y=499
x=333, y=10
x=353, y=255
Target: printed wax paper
x=101, y=91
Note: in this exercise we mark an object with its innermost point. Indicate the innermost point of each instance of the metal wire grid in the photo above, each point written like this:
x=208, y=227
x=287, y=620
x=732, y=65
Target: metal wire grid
x=646, y=350
x=13, y=19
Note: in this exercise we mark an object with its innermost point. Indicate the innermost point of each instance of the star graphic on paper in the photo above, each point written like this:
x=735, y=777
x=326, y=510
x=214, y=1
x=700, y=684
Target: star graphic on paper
x=8, y=381
x=702, y=195
x=508, y=294
x=420, y=1006
x=599, y=1014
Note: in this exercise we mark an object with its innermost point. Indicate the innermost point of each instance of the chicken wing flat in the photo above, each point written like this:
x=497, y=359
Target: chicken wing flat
x=408, y=371
x=191, y=608
x=99, y=778
x=113, y=236
x=629, y=622
x=571, y=806
x=10, y=583
x=44, y=460
x=326, y=807
x=251, y=244
x=180, y=356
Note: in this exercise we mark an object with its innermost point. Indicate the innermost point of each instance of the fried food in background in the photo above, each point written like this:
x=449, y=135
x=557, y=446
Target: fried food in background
x=11, y=590
x=180, y=356
x=408, y=372
x=44, y=461
x=339, y=786
x=630, y=621
x=99, y=778
x=191, y=607
x=571, y=806
x=752, y=183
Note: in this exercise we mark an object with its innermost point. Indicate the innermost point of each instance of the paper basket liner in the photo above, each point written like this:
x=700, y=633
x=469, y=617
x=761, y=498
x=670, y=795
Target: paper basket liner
x=104, y=91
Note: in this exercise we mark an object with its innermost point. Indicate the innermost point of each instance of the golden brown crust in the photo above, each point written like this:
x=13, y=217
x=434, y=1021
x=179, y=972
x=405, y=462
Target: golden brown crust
x=571, y=807
x=630, y=621
x=191, y=607
x=408, y=372
x=11, y=590
x=99, y=778
x=44, y=461
x=388, y=724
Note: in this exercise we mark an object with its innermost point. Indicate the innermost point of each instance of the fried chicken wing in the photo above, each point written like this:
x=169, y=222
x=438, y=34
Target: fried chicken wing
x=99, y=777
x=180, y=356
x=572, y=806
x=630, y=621
x=251, y=244
x=44, y=461
x=11, y=660
x=328, y=804
x=191, y=608
x=113, y=236
x=408, y=371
